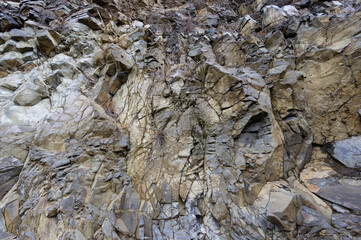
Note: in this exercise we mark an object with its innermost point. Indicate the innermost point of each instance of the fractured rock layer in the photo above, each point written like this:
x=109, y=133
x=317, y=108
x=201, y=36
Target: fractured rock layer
x=180, y=120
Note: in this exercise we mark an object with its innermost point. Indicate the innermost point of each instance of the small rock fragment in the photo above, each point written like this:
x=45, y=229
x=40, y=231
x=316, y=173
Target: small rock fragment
x=272, y=15
x=47, y=41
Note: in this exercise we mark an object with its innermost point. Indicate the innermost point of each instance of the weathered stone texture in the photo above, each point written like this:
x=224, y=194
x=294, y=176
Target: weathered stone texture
x=180, y=120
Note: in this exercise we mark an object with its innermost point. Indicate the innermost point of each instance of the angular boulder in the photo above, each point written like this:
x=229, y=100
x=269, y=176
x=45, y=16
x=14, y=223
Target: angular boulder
x=272, y=15
x=121, y=57
x=345, y=195
x=7, y=23
x=10, y=60
x=280, y=202
x=47, y=41
x=31, y=93
x=348, y=152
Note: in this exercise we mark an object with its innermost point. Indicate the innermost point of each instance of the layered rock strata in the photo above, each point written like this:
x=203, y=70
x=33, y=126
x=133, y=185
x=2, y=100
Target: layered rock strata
x=180, y=120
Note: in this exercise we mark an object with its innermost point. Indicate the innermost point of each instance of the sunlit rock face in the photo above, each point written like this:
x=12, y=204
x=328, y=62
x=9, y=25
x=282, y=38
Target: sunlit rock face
x=180, y=120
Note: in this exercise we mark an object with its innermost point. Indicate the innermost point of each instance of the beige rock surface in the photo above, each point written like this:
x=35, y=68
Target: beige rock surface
x=179, y=120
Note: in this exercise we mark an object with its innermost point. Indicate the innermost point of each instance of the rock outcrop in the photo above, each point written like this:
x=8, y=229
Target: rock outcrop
x=180, y=120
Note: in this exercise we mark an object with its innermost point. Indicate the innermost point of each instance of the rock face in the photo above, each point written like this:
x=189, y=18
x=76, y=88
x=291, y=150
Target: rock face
x=10, y=169
x=180, y=120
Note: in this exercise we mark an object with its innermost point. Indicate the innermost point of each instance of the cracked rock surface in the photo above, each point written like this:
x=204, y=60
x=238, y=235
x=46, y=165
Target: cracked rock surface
x=180, y=119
